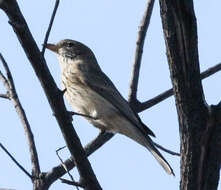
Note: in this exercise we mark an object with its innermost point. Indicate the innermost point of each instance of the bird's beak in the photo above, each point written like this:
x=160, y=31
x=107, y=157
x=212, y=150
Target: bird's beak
x=52, y=47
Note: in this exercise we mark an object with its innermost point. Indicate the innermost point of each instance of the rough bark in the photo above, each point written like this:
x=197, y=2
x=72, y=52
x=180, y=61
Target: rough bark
x=199, y=128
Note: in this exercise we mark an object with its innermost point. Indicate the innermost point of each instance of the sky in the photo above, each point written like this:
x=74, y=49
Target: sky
x=110, y=29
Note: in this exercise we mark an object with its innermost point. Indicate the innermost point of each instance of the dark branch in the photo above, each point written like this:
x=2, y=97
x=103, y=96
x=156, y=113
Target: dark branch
x=12, y=94
x=20, y=27
x=139, y=51
x=210, y=71
x=166, y=150
x=199, y=132
x=74, y=183
x=50, y=26
x=145, y=105
x=15, y=161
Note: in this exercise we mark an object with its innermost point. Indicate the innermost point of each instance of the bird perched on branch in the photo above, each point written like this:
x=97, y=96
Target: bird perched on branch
x=91, y=93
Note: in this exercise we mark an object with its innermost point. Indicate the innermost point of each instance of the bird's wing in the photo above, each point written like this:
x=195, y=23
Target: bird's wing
x=101, y=84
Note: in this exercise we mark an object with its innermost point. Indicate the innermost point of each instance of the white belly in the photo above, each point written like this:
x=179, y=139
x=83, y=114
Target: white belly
x=90, y=103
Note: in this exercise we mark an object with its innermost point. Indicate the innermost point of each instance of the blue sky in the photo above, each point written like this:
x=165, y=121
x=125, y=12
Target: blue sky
x=109, y=28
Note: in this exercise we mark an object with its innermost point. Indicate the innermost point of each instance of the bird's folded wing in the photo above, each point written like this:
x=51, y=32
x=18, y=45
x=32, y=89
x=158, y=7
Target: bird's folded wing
x=101, y=84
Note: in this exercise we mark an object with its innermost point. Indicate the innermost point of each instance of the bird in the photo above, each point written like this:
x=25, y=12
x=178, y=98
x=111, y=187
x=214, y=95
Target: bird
x=90, y=92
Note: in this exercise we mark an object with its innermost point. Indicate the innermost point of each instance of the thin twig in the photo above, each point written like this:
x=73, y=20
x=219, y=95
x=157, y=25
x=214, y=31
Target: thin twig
x=50, y=26
x=139, y=51
x=71, y=182
x=166, y=150
x=149, y=103
x=64, y=166
x=15, y=161
x=4, y=96
x=3, y=78
x=91, y=147
x=12, y=94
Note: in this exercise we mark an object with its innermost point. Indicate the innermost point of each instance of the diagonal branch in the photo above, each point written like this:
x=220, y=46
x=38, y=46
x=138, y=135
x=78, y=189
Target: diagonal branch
x=139, y=51
x=50, y=26
x=166, y=150
x=12, y=95
x=15, y=161
x=54, y=95
x=157, y=99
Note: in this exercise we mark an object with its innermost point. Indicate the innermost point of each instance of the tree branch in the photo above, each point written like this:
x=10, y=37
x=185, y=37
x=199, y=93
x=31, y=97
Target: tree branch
x=50, y=26
x=55, y=98
x=4, y=96
x=196, y=121
x=15, y=161
x=74, y=183
x=166, y=150
x=12, y=95
x=65, y=168
x=138, y=53
x=161, y=97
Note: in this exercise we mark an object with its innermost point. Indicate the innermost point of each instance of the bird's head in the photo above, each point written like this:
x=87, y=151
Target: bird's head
x=71, y=49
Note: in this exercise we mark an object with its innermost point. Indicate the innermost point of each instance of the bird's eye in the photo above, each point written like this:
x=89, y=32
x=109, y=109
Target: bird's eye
x=70, y=44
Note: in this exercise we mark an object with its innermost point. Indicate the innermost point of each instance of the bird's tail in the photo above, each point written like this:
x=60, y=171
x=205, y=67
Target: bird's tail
x=142, y=138
x=159, y=157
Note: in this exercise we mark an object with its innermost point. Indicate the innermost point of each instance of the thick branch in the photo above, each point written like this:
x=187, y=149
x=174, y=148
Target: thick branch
x=195, y=121
x=10, y=7
x=12, y=95
x=139, y=51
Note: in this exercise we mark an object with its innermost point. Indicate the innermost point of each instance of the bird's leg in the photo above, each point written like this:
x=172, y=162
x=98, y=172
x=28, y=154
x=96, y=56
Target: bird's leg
x=81, y=114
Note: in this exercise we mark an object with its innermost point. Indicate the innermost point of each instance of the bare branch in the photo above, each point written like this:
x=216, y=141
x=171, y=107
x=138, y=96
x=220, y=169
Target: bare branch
x=77, y=184
x=12, y=94
x=199, y=132
x=50, y=26
x=15, y=161
x=3, y=78
x=210, y=71
x=166, y=150
x=149, y=103
x=4, y=96
x=139, y=51
x=64, y=166
x=55, y=98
